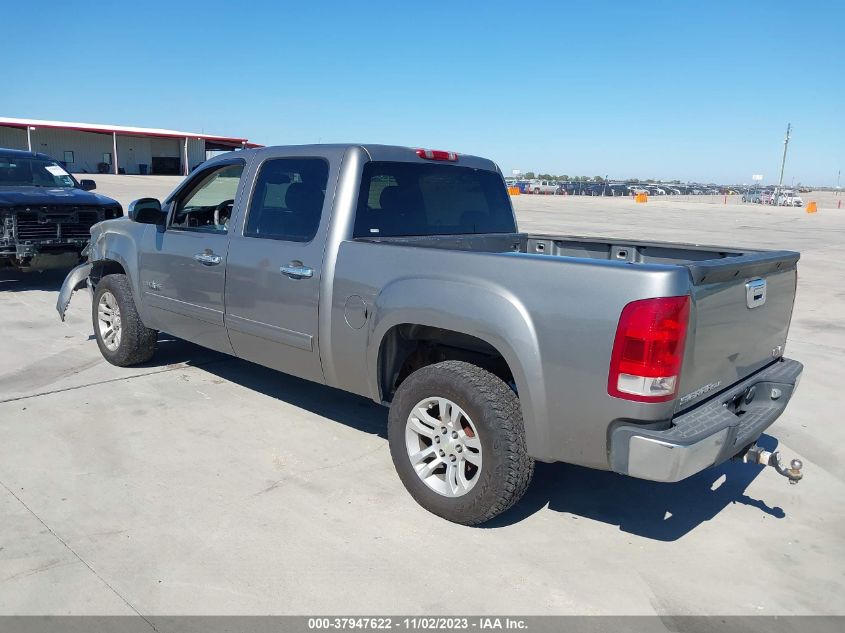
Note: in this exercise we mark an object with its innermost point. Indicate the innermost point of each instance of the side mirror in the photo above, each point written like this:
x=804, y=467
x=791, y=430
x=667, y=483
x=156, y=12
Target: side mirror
x=87, y=184
x=146, y=211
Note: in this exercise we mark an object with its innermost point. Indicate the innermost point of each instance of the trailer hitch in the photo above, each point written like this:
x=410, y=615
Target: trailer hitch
x=757, y=455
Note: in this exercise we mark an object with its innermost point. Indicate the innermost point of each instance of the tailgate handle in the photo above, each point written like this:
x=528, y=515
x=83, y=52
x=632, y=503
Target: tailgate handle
x=755, y=293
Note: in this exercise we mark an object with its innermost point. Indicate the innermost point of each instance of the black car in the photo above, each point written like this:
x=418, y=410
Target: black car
x=45, y=213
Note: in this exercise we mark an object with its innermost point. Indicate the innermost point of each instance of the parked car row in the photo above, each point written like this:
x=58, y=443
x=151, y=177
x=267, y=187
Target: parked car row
x=786, y=197
x=578, y=188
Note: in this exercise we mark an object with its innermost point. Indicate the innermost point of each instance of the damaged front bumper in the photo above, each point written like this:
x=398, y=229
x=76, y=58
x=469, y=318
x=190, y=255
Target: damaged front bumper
x=73, y=280
x=709, y=434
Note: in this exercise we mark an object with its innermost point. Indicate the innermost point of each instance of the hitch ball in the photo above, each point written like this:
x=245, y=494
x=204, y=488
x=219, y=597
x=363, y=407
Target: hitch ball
x=794, y=471
x=757, y=455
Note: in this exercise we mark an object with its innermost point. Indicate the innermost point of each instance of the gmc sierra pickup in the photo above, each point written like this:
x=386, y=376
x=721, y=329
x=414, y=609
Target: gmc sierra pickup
x=400, y=275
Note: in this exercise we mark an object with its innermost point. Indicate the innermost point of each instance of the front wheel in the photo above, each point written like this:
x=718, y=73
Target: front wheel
x=121, y=336
x=458, y=442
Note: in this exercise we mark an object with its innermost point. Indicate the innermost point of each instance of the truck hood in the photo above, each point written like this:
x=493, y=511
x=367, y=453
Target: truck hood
x=43, y=196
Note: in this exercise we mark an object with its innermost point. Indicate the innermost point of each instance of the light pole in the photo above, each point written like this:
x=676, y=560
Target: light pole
x=783, y=162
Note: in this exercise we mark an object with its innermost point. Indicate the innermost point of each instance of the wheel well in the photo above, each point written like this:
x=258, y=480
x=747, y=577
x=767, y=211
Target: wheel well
x=409, y=347
x=103, y=267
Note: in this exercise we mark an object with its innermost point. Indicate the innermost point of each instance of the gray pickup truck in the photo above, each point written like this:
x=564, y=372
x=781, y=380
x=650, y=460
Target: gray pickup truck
x=400, y=275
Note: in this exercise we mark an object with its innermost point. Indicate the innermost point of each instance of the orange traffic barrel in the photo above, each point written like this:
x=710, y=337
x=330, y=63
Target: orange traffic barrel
x=811, y=206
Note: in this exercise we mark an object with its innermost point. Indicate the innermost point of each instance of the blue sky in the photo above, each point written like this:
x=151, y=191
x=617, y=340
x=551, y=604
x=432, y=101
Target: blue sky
x=687, y=90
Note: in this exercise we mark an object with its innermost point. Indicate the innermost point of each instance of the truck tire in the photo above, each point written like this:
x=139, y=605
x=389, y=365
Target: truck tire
x=457, y=441
x=536, y=191
x=121, y=336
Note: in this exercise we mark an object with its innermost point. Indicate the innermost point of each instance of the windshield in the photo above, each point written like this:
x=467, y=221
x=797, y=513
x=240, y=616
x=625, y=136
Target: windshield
x=400, y=198
x=33, y=172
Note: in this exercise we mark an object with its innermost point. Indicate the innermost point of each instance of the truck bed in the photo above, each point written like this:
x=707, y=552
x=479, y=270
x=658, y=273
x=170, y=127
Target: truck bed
x=616, y=250
x=729, y=338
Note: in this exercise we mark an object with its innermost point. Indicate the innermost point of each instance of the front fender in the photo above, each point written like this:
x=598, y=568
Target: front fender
x=486, y=311
x=74, y=278
x=117, y=241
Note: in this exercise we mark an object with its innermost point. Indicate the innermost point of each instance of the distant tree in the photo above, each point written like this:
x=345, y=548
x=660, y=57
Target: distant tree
x=598, y=179
x=530, y=175
x=564, y=177
x=545, y=176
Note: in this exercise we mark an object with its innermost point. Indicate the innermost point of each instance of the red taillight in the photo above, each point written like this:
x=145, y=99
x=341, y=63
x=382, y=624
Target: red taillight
x=648, y=351
x=437, y=154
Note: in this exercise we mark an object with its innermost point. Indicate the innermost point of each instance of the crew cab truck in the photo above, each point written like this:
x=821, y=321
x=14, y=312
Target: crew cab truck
x=45, y=214
x=400, y=275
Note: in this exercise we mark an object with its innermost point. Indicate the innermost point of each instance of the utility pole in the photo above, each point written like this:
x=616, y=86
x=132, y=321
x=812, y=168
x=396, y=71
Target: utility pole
x=783, y=162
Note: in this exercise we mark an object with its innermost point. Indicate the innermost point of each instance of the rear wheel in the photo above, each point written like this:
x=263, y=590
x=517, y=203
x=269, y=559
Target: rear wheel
x=458, y=443
x=121, y=336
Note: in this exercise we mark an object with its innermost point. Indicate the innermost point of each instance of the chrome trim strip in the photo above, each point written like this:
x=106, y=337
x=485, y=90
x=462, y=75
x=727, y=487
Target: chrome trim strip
x=269, y=332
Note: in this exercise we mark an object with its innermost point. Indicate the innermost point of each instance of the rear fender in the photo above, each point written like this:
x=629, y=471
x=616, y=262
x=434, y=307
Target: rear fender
x=488, y=312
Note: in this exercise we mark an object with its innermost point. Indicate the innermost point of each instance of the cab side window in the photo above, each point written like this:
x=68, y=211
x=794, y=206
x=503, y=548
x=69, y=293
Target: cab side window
x=288, y=199
x=207, y=204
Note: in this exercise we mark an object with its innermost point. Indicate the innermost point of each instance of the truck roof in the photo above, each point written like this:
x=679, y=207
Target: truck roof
x=376, y=152
x=21, y=153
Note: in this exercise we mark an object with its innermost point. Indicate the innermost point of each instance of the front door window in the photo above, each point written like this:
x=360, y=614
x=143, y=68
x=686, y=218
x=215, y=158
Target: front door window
x=207, y=205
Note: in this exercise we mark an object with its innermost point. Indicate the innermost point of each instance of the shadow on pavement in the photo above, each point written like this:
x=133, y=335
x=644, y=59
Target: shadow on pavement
x=15, y=281
x=663, y=512
x=353, y=411
x=174, y=351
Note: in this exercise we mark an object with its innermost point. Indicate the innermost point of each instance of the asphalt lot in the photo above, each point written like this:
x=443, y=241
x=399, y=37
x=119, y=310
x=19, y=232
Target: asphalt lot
x=203, y=484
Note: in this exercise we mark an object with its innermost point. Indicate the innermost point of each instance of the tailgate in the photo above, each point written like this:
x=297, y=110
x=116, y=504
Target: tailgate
x=742, y=307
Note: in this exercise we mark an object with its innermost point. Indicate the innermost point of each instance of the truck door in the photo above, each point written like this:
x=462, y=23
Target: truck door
x=183, y=267
x=274, y=267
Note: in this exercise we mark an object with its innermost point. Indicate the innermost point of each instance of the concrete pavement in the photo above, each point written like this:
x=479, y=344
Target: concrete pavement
x=203, y=484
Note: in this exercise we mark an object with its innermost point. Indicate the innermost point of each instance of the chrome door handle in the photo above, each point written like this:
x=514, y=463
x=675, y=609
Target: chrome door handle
x=297, y=272
x=208, y=259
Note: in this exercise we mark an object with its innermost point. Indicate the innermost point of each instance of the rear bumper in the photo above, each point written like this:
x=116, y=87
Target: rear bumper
x=710, y=433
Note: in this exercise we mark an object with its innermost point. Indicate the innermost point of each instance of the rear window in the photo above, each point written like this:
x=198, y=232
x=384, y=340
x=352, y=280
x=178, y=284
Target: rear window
x=420, y=199
x=287, y=201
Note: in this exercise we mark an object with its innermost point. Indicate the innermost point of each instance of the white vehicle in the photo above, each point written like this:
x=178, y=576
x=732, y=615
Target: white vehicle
x=542, y=186
x=789, y=198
